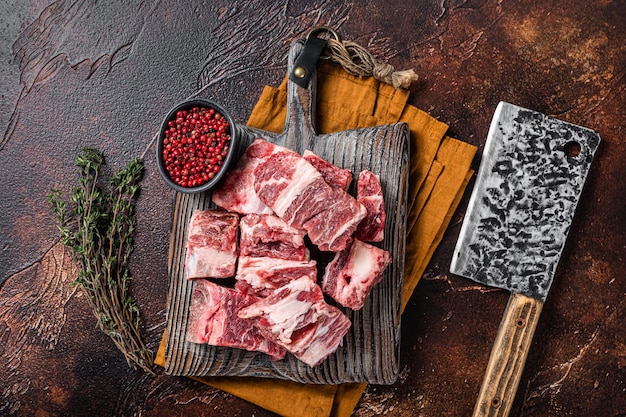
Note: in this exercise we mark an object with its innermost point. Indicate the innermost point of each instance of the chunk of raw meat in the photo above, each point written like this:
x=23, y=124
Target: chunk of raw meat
x=332, y=229
x=370, y=194
x=261, y=276
x=297, y=193
x=281, y=178
x=296, y=317
x=236, y=191
x=333, y=175
x=265, y=235
x=213, y=319
x=350, y=276
x=212, y=244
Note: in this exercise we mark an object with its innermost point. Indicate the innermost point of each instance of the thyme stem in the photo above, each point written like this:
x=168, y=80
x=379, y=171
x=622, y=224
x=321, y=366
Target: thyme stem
x=98, y=228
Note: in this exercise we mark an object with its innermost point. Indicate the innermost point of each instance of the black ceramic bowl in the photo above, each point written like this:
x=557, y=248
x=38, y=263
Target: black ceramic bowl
x=227, y=160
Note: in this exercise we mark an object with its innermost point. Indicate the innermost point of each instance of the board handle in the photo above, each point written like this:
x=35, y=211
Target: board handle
x=300, y=101
x=508, y=356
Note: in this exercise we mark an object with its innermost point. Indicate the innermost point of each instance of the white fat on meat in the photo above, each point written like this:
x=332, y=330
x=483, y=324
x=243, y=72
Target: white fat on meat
x=351, y=275
x=296, y=317
x=284, y=177
x=261, y=276
x=213, y=320
x=286, y=314
x=212, y=245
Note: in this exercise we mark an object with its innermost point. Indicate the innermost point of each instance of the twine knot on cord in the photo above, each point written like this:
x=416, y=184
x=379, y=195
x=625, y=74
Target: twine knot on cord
x=357, y=61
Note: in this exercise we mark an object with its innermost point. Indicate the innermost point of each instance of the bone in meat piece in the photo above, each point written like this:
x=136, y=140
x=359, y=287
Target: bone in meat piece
x=265, y=235
x=213, y=319
x=211, y=244
x=351, y=275
x=296, y=317
x=370, y=194
x=333, y=175
x=261, y=276
x=236, y=191
x=298, y=194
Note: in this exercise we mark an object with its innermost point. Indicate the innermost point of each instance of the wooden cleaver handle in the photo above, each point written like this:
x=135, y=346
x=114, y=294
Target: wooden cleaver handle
x=508, y=356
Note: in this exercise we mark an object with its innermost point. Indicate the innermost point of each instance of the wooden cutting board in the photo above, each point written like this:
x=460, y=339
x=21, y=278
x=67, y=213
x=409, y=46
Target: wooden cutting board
x=370, y=350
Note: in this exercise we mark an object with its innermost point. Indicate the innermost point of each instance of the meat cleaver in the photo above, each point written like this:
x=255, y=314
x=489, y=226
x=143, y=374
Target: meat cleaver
x=527, y=187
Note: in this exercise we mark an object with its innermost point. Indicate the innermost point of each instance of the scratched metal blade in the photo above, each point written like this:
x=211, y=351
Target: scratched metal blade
x=523, y=202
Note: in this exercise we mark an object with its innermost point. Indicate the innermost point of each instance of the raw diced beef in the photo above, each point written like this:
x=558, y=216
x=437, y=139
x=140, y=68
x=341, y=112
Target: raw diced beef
x=332, y=229
x=333, y=175
x=261, y=276
x=268, y=236
x=313, y=200
x=212, y=244
x=281, y=178
x=236, y=191
x=350, y=276
x=370, y=194
x=296, y=317
x=213, y=319
x=297, y=193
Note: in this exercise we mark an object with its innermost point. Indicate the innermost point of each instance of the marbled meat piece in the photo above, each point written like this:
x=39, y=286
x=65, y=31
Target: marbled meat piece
x=281, y=178
x=261, y=276
x=212, y=244
x=296, y=317
x=332, y=229
x=351, y=275
x=298, y=194
x=333, y=175
x=370, y=194
x=236, y=191
x=213, y=319
x=265, y=235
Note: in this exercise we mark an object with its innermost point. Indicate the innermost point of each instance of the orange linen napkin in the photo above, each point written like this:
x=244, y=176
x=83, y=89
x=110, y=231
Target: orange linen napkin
x=439, y=172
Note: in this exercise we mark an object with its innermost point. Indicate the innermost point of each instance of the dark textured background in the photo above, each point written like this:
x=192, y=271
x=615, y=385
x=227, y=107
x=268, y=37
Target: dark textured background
x=86, y=73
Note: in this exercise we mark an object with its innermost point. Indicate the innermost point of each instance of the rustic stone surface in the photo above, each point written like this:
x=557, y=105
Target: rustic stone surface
x=77, y=73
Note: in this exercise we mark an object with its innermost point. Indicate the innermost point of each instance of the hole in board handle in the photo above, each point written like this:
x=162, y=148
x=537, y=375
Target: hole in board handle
x=496, y=403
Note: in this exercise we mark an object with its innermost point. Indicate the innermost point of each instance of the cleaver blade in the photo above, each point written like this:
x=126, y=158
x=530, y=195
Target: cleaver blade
x=527, y=188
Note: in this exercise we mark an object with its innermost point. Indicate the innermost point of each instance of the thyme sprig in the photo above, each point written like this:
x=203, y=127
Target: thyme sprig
x=98, y=227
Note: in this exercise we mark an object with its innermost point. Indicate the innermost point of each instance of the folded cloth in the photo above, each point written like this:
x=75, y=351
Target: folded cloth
x=439, y=173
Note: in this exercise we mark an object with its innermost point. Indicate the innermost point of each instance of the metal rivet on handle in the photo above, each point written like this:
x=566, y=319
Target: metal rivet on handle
x=299, y=72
